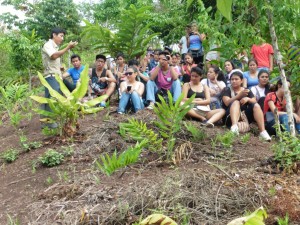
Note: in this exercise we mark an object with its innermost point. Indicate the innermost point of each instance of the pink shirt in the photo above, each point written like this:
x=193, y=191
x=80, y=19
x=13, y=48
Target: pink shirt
x=164, y=81
x=261, y=54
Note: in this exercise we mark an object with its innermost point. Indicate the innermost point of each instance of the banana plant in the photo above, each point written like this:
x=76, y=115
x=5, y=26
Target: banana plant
x=68, y=106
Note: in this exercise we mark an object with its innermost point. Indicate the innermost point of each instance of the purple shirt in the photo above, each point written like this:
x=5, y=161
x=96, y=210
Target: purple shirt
x=164, y=81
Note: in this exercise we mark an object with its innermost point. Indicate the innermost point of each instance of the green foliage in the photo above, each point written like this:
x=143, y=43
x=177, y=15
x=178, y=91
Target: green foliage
x=49, y=180
x=27, y=145
x=224, y=6
x=67, y=108
x=283, y=221
x=132, y=36
x=287, y=151
x=226, y=140
x=11, y=221
x=245, y=138
x=138, y=130
x=10, y=155
x=13, y=98
x=197, y=134
x=255, y=218
x=51, y=158
x=170, y=117
x=109, y=164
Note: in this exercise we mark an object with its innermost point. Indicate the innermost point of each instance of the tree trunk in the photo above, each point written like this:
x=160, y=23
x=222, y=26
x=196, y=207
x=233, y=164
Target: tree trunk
x=278, y=57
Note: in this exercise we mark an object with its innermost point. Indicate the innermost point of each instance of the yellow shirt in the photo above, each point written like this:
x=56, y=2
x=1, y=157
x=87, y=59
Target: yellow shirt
x=50, y=66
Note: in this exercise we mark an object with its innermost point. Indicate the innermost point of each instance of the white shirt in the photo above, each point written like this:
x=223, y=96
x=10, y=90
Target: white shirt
x=260, y=93
x=215, y=87
x=183, y=42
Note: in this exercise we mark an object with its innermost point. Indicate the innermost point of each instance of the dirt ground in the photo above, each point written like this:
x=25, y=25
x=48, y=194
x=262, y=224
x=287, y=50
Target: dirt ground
x=211, y=185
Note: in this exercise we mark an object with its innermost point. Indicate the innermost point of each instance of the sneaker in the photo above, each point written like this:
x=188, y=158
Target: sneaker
x=103, y=104
x=235, y=129
x=209, y=124
x=120, y=113
x=264, y=135
x=151, y=106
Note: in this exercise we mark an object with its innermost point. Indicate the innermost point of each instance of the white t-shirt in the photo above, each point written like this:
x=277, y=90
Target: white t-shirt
x=212, y=55
x=214, y=87
x=261, y=92
x=183, y=42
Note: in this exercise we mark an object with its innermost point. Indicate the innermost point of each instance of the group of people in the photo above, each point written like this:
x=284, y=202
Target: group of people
x=221, y=96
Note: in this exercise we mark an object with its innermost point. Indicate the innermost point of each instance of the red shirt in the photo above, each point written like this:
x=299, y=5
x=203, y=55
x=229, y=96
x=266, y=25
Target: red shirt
x=261, y=54
x=278, y=104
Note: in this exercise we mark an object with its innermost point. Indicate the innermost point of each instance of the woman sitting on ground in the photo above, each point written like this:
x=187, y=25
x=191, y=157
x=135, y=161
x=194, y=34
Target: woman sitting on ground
x=215, y=81
x=186, y=67
x=228, y=66
x=262, y=89
x=237, y=99
x=275, y=100
x=251, y=76
x=131, y=92
x=120, y=68
x=207, y=116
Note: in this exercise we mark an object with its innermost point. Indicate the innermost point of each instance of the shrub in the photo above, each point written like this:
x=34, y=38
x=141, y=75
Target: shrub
x=51, y=158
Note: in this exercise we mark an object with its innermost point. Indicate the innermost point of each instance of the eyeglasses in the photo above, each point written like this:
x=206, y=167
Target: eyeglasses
x=128, y=73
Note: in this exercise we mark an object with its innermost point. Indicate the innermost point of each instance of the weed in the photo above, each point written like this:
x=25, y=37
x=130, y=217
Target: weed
x=64, y=176
x=10, y=155
x=11, y=221
x=283, y=221
x=49, y=132
x=27, y=146
x=138, y=131
x=272, y=191
x=198, y=134
x=51, y=158
x=110, y=164
x=226, y=140
x=245, y=138
x=49, y=180
x=68, y=150
x=34, y=164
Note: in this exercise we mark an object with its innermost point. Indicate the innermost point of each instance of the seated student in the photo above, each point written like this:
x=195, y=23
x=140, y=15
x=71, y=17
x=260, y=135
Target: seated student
x=207, y=116
x=187, y=66
x=102, y=80
x=74, y=72
x=120, y=68
x=251, y=76
x=237, y=99
x=262, y=89
x=276, y=100
x=215, y=81
x=163, y=77
x=131, y=92
x=228, y=66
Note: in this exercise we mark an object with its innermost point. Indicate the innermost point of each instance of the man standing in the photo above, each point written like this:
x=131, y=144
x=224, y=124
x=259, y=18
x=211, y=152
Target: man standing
x=163, y=77
x=74, y=72
x=51, y=61
x=183, y=42
x=263, y=54
x=102, y=80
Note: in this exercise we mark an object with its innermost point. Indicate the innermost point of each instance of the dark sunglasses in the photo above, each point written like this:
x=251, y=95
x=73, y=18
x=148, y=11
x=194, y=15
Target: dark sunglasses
x=128, y=73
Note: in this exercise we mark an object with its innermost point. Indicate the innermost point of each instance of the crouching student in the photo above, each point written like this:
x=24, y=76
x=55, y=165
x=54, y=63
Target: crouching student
x=131, y=92
x=202, y=100
x=236, y=100
x=275, y=100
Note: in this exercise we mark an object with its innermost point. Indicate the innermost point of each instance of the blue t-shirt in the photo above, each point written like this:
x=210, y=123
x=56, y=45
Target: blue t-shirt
x=195, y=42
x=250, y=80
x=75, y=73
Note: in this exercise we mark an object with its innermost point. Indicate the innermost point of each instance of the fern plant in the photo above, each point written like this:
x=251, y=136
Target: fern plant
x=132, y=36
x=138, y=131
x=109, y=164
x=67, y=108
x=226, y=140
x=170, y=117
x=198, y=134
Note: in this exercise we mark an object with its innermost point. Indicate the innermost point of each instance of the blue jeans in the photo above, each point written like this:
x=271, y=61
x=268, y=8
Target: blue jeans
x=136, y=100
x=152, y=89
x=55, y=85
x=284, y=121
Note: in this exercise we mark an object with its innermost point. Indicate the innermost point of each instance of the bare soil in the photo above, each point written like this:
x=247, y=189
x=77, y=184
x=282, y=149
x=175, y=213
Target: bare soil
x=210, y=185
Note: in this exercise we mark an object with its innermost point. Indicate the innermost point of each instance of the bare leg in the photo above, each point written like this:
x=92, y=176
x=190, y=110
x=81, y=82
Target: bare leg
x=215, y=115
x=235, y=110
x=297, y=106
x=259, y=117
x=110, y=90
x=192, y=113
